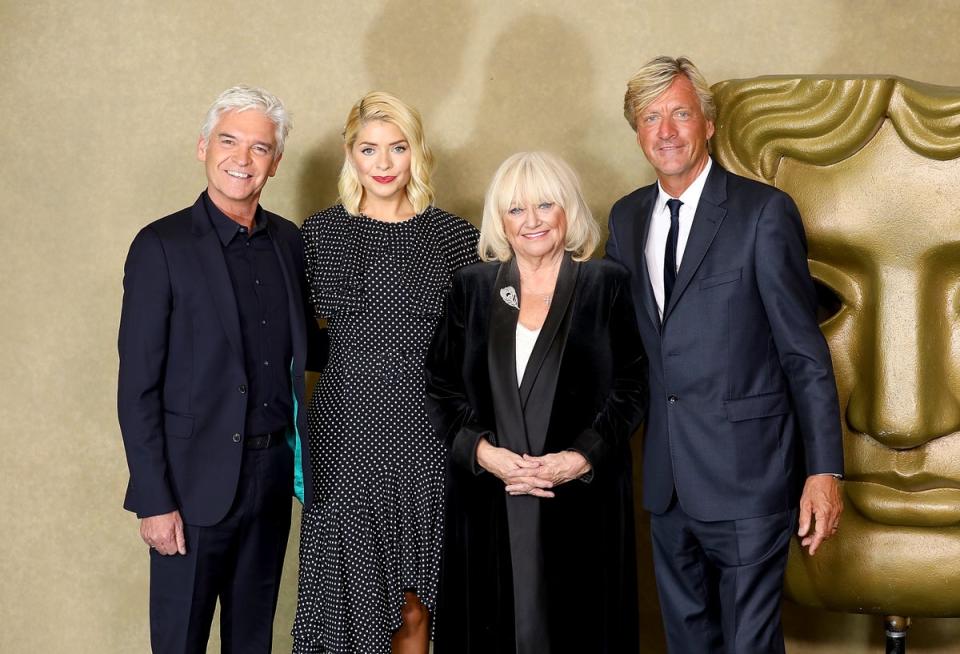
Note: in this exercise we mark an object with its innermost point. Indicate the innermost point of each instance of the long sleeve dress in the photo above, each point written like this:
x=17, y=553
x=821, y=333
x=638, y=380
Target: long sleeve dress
x=375, y=526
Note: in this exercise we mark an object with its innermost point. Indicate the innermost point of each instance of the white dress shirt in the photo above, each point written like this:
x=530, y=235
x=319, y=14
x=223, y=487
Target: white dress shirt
x=660, y=228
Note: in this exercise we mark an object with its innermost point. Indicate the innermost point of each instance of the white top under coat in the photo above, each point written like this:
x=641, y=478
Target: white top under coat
x=526, y=339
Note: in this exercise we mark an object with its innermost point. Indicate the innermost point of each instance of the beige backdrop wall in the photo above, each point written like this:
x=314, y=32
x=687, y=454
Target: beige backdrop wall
x=99, y=113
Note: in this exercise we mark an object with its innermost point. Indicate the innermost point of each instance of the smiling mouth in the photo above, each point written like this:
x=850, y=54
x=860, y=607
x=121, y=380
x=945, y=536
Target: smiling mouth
x=384, y=180
x=534, y=235
x=238, y=174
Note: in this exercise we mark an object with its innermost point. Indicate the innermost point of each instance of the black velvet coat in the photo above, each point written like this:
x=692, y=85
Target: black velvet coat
x=522, y=574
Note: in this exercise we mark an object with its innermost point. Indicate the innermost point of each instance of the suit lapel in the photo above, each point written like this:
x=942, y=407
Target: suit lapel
x=502, y=360
x=294, y=294
x=562, y=294
x=210, y=255
x=645, y=211
x=706, y=224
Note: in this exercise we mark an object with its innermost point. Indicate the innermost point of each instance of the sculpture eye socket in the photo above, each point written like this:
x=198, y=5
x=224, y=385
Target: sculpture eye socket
x=829, y=303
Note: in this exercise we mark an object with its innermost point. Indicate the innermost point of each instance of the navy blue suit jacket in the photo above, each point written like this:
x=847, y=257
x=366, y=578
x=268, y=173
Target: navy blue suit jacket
x=182, y=396
x=743, y=402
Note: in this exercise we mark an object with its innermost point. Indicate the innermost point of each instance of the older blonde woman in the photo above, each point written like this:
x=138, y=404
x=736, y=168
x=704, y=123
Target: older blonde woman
x=379, y=266
x=536, y=380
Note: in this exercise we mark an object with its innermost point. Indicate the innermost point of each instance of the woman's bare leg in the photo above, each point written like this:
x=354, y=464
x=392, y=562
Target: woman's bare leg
x=413, y=636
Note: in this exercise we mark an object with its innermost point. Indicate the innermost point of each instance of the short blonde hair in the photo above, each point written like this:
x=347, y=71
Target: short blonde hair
x=532, y=178
x=379, y=105
x=655, y=77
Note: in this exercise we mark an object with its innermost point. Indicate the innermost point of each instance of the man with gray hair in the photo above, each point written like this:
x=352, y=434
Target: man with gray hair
x=742, y=445
x=213, y=347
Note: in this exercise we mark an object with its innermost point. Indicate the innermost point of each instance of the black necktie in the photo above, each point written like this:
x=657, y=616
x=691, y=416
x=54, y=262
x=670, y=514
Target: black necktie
x=670, y=252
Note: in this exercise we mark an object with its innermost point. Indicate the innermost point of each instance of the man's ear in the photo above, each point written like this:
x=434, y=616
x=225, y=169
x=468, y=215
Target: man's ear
x=709, y=129
x=202, y=149
x=276, y=163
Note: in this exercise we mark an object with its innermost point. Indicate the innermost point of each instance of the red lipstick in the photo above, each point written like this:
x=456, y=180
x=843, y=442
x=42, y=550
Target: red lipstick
x=384, y=180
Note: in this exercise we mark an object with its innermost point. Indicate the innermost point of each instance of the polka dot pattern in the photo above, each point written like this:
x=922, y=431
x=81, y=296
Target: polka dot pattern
x=375, y=527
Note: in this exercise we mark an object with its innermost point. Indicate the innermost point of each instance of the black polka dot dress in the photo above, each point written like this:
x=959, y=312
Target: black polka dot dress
x=375, y=526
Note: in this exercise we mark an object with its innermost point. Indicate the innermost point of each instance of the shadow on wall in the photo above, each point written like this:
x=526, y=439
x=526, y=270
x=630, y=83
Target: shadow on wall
x=411, y=64
x=537, y=89
x=536, y=95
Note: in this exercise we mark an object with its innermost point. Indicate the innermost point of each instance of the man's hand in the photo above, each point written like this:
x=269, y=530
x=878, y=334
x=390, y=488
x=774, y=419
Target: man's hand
x=822, y=505
x=164, y=533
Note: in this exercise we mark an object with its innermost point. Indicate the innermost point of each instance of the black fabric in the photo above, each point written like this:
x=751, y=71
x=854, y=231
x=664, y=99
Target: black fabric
x=586, y=391
x=239, y=561
x=670, y=250
x=525, y=433
x=261, y=296
x=182, y=392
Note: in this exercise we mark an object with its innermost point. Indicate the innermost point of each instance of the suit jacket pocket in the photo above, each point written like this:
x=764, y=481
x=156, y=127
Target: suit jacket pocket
x=177, y=425
x=720, y=278
x=757, y=406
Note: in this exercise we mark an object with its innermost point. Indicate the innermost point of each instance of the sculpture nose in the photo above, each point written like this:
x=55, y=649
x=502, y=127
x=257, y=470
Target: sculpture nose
x=903, y=392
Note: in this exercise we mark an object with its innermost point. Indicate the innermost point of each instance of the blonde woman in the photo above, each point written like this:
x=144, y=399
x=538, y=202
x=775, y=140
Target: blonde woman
x=536, y=380
x=379, y=265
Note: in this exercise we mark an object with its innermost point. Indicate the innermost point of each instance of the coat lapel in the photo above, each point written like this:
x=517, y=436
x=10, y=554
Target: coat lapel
x=502, y=360
x=706, y=224
x=562, y=295
x=210, y=255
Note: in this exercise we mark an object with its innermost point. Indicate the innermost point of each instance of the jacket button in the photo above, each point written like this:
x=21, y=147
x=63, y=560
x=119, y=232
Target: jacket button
x=236, y=438
x=672, y=399
x=242, y=388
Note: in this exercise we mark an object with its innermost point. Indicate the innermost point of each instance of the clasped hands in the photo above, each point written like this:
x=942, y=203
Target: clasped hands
x=531, y=475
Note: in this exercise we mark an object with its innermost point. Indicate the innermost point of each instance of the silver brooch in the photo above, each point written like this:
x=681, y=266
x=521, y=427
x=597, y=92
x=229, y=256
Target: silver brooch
x=509, y=295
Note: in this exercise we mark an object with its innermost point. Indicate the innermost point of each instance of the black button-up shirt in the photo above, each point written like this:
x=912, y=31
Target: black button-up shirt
x=262, y=305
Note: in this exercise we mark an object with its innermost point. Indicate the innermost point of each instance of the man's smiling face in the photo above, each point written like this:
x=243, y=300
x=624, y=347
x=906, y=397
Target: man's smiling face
x=239, y=157
x=673, y=133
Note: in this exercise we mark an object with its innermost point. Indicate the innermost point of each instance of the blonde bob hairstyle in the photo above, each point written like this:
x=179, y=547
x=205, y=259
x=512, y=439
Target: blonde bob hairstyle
x=655, y=77
x=379, y=105
x=529, y=178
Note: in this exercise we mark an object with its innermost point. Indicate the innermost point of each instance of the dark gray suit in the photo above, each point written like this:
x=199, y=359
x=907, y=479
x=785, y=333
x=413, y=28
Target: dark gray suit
x=743, y=405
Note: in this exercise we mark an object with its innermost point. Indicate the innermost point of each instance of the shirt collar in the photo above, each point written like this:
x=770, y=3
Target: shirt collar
x=691, y=196
x=226, y=227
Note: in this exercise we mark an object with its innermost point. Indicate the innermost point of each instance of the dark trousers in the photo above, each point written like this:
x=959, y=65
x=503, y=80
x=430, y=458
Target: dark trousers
x=238, y=561
x=720, y=583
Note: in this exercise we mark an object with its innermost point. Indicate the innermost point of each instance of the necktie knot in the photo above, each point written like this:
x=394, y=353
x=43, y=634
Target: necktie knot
x=673, y=205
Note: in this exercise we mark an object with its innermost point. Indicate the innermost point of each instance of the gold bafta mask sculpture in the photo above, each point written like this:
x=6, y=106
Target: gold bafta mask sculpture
x=874, y=166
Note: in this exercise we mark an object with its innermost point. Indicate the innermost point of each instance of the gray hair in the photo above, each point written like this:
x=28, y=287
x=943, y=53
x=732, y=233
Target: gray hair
x=243, y=98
